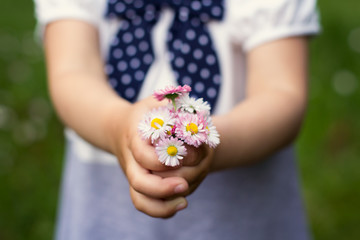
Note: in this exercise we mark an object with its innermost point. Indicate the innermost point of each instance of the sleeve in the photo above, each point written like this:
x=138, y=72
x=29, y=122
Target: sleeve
x=258, y=21
x=51, y=10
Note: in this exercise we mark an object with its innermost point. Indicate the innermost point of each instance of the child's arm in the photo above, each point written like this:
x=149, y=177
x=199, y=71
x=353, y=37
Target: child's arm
x=87, y=104
x=272, y=113
x=267, y=120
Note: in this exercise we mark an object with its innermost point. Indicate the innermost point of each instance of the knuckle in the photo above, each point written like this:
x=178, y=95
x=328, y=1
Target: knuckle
x=136, y=203
x=136, y=200
x=135, y=182
x=139, y=206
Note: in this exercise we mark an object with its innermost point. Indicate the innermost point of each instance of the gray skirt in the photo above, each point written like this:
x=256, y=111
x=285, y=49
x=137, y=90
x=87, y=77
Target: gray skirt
x=253, y=203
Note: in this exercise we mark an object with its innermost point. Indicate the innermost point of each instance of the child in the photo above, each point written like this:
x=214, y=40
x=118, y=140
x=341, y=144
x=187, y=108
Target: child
x=247, y=58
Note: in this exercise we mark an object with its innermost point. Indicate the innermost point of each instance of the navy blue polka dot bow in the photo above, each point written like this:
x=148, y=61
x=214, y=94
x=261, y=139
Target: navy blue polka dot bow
x=192, y=54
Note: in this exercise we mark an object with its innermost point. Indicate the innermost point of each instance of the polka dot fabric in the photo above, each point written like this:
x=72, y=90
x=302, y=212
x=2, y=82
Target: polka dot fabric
x=131, y=53
x=191, y=51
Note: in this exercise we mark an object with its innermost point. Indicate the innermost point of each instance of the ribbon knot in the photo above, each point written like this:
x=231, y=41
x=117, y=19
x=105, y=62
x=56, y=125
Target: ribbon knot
x=204, y=11
x=131, y=10
x=192, y=55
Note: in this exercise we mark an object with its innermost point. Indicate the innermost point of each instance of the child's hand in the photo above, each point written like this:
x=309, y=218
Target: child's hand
x=138, y=159
x=195, y=167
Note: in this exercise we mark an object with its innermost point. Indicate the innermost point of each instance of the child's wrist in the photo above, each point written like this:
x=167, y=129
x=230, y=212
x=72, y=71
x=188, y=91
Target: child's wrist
x=114, y=121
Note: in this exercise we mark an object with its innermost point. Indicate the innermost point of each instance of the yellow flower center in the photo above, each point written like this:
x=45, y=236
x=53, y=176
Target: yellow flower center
x=192, y=127
x=156, y=122
x=172, y=151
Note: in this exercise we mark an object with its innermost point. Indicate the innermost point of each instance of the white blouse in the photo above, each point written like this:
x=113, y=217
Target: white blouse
x=247, y=24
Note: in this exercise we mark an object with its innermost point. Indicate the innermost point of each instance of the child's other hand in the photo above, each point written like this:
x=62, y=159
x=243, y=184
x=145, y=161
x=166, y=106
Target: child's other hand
x=138, y=159
x=195, y=167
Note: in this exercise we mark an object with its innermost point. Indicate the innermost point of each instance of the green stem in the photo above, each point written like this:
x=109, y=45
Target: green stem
x=173, y=103
x=172, y=97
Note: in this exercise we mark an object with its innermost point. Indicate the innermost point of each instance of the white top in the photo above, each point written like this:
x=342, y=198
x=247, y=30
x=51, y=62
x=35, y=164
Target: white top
x=247, y=24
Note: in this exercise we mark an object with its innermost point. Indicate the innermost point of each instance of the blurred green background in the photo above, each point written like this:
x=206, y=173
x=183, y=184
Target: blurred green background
x=31, y=139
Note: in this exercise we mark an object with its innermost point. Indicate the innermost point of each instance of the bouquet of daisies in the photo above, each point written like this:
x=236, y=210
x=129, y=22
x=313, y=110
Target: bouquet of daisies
x=185, y=120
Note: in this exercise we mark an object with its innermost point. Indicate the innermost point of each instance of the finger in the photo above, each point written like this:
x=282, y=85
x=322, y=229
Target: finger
x=194, y=175
x=190, y=174
x=144, y=182
x=194, y=155
x=144, y=153
x=157, y=207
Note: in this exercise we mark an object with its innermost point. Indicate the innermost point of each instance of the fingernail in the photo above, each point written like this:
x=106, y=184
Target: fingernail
x=179, y=188
x=180, y=206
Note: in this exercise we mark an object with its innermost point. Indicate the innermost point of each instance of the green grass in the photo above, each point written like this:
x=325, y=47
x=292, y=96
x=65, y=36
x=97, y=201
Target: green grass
x=31, y=140
x=329, y=146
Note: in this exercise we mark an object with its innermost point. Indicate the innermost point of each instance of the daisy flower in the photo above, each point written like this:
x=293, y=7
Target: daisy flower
x=171, y=92
x=193, y=105
x=191, y=128
x=213, y=137
x=170, y=151
x=156, y=124
x=185, y=120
